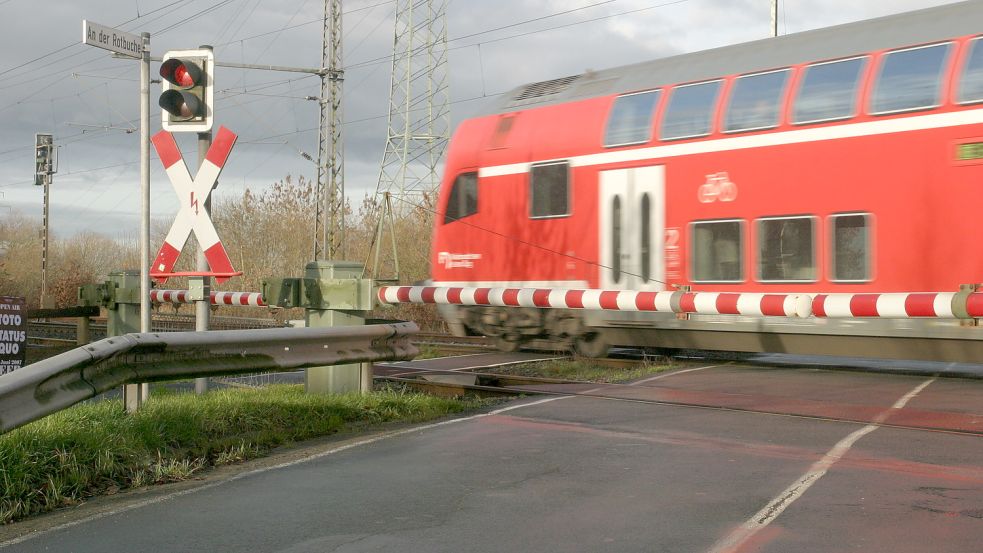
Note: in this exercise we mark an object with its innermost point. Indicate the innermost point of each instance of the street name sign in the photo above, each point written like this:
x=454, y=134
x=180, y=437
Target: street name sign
x=112, y=39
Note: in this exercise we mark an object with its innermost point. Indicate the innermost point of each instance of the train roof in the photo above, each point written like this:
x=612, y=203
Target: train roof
x=904, y=29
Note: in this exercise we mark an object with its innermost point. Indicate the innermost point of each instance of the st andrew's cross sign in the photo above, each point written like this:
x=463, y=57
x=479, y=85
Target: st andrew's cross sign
x=192, y=216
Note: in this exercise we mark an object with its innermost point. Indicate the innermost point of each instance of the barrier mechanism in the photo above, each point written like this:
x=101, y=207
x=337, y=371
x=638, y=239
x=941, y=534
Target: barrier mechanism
x=333, y=294
x=61, y=381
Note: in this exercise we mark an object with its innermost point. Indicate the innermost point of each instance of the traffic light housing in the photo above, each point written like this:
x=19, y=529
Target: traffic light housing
x=188, y=94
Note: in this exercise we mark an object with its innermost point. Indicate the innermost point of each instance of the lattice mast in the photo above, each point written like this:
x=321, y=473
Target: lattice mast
x=329, y=220
x=419, y=111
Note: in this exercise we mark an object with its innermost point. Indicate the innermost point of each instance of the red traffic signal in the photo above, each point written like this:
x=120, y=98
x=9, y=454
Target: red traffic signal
x=187, y=95
x=183, y=73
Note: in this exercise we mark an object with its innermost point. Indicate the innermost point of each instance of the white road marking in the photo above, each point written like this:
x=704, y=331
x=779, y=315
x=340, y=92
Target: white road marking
x=732, y=542
x=674, y=373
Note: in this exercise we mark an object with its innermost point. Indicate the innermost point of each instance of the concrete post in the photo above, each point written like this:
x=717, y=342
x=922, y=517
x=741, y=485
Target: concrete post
x=123, y=317
x=334, y=298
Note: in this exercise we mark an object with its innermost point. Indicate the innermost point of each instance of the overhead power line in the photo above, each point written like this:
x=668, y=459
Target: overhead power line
x=76, y=43
x=387, y=59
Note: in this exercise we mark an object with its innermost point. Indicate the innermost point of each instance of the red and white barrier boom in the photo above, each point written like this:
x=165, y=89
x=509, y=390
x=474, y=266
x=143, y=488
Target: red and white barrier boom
x=941, y=305
x=712, y=303
x=217, y=298
x=192, y=193
x=946, y=305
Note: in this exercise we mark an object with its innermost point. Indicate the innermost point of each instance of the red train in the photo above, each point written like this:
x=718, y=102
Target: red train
x=845, y=159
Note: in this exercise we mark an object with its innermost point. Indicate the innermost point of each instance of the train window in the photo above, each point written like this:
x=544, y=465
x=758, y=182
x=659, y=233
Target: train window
x=549, y=190
x=463, y=200
x=971, y=85
x=850, y=256
x=910, y=79
x=630, y=121
x=786, y=249
x=690, y=111
x=755, y=101
x=828, y=91
x=717, y=252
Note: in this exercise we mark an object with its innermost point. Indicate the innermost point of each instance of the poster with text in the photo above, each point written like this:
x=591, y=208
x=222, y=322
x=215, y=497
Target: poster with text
x=13, y=334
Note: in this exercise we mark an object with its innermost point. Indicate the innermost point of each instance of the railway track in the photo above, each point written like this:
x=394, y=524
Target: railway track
x=487, y=382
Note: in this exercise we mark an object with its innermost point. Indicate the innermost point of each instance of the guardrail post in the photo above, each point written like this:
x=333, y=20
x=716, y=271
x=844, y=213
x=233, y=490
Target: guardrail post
x=333, y=294
x=123, y=317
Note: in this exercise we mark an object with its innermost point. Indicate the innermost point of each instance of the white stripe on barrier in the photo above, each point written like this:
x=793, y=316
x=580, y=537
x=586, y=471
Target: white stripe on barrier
x=440, y=295
x=557, y=298
x=838, y=305
x=663, y=302
x=943, y=305
x=892, y=305
x=706, y=302
x=495, y=297
x=627, y=301
x=525, y=296
x=749, y=304
x=592, y=299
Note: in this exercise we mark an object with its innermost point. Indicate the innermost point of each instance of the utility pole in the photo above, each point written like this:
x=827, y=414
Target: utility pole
x=44, y=167
x=329, y=218
x=774, y=17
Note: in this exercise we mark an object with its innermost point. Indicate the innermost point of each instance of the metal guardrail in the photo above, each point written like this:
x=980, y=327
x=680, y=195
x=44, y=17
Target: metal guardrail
x=49, y=386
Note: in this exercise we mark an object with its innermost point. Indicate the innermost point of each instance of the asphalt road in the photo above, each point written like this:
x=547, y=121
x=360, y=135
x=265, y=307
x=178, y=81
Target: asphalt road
x=797, y=460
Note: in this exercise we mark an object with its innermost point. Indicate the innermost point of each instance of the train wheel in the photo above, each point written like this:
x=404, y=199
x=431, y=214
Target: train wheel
x=503, y=343
x=591, y=345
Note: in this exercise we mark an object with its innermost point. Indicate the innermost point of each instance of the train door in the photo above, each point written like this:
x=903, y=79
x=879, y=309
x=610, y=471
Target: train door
x=632, y=229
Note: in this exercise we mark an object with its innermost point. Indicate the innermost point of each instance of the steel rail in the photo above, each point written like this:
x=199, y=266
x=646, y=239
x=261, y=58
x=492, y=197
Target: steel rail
x=58, y=382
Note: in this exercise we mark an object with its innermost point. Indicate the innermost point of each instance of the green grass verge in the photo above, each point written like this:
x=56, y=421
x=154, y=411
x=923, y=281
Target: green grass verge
x=97, y=448
x=585, y=370
x=429, y=351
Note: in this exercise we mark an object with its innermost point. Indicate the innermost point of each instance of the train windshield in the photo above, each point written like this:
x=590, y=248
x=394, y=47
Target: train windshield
x=463, y=200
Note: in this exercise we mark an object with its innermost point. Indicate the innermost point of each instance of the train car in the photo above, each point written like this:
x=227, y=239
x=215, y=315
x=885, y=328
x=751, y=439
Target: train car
x=844, y=159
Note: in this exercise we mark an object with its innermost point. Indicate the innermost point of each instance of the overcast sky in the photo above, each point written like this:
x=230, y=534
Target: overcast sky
x=50, y=82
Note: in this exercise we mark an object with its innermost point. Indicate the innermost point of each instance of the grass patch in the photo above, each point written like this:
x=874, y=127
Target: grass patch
x=585, y=370
x=429, y=351
x=97, y=448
